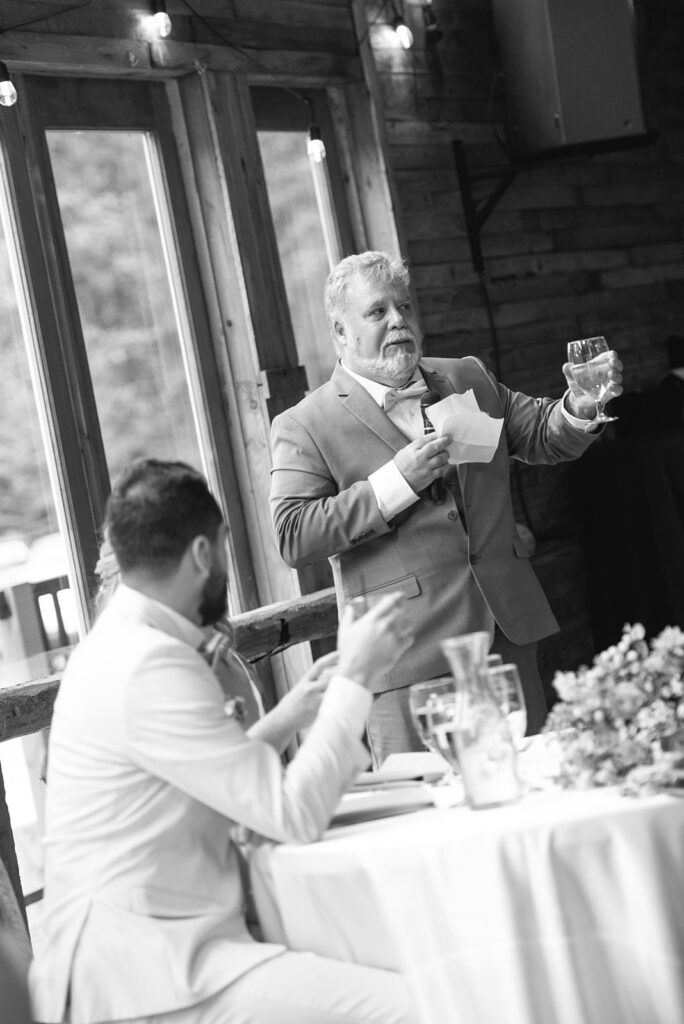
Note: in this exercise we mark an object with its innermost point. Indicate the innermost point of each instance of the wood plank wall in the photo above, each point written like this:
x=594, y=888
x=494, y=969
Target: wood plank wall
x=593, y=246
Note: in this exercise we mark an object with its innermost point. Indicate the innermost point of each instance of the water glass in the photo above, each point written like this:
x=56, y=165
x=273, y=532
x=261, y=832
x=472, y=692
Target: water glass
x=507, y=688
x=432, y=705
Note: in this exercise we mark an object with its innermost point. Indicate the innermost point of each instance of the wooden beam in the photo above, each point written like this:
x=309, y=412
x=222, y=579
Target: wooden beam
x=124, y=19
x=8, y=857
x=286, y=623
x=43, y=54
x=288, y=67
x=27, y=708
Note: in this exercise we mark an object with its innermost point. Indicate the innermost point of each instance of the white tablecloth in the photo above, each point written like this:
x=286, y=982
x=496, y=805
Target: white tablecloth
x=566, y=908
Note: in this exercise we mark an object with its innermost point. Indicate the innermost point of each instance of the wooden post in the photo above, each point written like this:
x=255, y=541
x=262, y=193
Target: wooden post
x=8, y=853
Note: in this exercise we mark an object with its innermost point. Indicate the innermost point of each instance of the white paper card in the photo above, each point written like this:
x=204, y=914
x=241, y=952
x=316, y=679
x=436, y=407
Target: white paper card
x=475, y=434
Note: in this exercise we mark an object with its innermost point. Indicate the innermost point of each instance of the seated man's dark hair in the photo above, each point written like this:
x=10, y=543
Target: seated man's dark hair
x=155, y=510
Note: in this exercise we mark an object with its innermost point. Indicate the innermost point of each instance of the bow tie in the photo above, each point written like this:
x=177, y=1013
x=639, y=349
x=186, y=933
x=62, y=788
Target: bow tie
x=414, y=389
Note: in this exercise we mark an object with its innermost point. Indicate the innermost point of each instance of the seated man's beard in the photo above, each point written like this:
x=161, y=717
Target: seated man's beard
x=214, y=603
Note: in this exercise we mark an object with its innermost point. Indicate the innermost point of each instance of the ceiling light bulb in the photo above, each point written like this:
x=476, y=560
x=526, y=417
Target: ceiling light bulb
x=162, y=24
x=315, y=147
x=404, y=33
x=8, y=94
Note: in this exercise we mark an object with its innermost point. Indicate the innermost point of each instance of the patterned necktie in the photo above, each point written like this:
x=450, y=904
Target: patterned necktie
x=414, y=389
x=429, y=398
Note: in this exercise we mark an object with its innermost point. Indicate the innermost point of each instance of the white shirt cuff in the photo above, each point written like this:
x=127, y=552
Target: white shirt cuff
x=392, y=493
x=576, y=421
x=348, y=702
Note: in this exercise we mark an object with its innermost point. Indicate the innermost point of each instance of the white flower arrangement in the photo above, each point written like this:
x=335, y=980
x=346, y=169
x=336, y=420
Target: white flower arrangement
x=620, y=721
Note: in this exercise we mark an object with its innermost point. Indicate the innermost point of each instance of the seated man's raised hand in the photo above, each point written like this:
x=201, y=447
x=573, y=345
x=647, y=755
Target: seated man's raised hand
x=371, y=645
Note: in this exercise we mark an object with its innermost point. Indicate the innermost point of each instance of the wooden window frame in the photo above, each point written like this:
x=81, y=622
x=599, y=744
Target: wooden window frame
x=107, y=105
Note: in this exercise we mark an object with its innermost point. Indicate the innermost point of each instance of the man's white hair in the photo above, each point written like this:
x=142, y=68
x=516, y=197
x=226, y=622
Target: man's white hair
x=367, y=265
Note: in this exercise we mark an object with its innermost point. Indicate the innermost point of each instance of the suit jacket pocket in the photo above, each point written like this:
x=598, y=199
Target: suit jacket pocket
x=407, y=585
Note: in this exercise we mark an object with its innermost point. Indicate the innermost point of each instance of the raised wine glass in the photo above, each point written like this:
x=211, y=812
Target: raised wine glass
x=590, y=371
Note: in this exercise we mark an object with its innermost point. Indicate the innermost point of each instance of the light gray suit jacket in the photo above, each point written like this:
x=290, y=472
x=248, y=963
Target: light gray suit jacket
x=146, y=778
x=323, y=506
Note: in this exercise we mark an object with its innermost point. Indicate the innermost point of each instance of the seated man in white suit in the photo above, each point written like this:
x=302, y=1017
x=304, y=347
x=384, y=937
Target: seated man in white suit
x=148, y=775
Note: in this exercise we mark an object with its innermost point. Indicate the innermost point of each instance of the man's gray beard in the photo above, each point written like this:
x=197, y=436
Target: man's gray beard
x=398, y=366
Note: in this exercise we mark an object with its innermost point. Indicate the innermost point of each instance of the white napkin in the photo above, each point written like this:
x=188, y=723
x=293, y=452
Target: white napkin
x=475, y=434
x=399, y=768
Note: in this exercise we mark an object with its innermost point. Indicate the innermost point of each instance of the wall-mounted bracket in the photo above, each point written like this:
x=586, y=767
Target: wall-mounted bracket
x=477, y=215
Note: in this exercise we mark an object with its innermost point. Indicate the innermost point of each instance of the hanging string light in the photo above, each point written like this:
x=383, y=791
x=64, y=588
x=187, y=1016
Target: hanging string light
x=8, y=94
x=159, y=19
x=315, y=147
x=318, y=164
x=404, y=33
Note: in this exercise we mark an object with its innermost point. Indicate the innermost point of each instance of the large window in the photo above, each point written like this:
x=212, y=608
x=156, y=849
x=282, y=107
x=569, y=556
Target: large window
x=311, y=223
x=133, y=338
x=38, y=619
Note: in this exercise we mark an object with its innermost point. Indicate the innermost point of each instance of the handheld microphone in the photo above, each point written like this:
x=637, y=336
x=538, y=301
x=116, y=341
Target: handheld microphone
x=426, y=400
x=435, y=490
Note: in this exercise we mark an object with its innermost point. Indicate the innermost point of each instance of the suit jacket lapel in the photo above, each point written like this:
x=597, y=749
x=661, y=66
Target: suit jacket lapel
x=437, y=381
x=359, y=403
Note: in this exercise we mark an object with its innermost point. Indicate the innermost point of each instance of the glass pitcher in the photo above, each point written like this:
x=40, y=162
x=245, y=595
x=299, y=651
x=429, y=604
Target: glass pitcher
x=484, y=746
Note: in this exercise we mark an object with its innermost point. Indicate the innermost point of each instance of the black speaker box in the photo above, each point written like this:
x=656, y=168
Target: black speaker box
x=571, y=74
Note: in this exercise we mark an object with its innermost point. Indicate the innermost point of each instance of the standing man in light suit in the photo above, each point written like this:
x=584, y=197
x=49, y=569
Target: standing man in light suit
x=357, y=480
x=147, y=777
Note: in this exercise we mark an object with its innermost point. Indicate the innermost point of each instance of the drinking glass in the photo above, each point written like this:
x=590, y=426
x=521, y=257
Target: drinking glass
x=507, y=688
x=590, y=371
x=433, y=707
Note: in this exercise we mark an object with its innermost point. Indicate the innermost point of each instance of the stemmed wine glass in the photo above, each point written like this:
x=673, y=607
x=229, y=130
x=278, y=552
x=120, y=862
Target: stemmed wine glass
x=433, y=708
x=590, y=371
